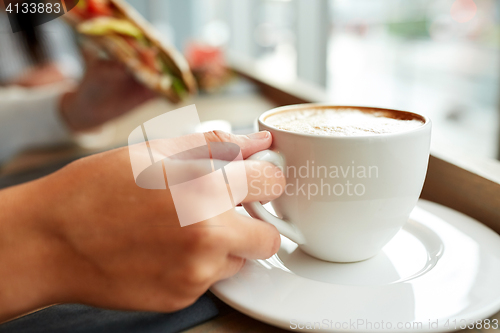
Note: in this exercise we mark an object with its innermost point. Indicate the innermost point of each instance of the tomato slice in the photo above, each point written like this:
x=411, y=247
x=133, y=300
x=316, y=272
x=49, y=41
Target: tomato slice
x=80, y=10
x=149, y=57
x=99, y=8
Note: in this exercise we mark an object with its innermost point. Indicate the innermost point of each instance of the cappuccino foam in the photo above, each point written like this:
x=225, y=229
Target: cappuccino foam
x=340, y=122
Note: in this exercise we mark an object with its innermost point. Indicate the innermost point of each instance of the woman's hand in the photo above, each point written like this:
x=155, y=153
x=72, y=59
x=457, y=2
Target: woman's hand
x=107, y=90
x=104, y=241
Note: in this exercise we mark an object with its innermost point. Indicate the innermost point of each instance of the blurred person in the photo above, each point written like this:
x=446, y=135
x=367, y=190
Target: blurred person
x=32, y=62
x=88, y=234
x=49, y=116
x=37, y=55
x=38, y=105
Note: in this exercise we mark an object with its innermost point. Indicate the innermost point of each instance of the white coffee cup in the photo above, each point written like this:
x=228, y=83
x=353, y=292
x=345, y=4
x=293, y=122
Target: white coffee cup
x=341, y=215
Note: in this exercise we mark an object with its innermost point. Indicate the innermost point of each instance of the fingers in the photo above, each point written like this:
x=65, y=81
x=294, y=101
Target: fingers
x=221, y=146
x=249, y=144
x=231, y=266
x=248, y=180
x=266, y=181
x=250, y=238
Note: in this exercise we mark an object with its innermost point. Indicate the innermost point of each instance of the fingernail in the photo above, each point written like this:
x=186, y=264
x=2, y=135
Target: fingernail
x=259, y=135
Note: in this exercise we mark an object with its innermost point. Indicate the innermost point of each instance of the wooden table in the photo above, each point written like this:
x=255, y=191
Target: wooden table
x=469, y=186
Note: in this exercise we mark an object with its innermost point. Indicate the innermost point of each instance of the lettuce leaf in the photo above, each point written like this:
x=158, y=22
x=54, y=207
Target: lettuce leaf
x=177, y=84
x=107, y=25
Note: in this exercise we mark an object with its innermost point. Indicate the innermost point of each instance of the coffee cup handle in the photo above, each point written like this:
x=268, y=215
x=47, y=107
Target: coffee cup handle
x=256, y=210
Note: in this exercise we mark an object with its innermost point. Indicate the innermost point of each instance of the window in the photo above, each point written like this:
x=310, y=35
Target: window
x=435, y=57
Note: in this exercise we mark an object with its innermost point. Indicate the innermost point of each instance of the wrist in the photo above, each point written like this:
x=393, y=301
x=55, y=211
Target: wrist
x=29, y=258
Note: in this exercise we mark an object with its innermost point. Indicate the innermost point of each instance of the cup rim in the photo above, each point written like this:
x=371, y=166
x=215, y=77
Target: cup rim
x=263, y=116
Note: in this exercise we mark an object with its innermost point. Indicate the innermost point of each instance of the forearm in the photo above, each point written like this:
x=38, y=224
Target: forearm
x=28, y=260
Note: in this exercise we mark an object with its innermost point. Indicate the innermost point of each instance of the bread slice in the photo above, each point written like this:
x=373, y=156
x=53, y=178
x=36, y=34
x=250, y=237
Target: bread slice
x=176, y=82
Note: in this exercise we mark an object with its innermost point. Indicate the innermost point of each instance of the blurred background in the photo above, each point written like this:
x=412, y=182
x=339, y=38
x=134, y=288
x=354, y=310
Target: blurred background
x=439, y=58
x=436, y=57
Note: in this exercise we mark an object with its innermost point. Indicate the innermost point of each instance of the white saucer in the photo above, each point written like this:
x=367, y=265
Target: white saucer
x=441, y=270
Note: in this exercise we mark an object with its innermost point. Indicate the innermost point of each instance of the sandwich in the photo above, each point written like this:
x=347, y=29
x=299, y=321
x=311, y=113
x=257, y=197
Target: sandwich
x=118, y=29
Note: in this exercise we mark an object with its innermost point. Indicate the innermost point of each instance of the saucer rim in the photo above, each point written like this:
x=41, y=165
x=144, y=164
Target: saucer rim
x=480, y=314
